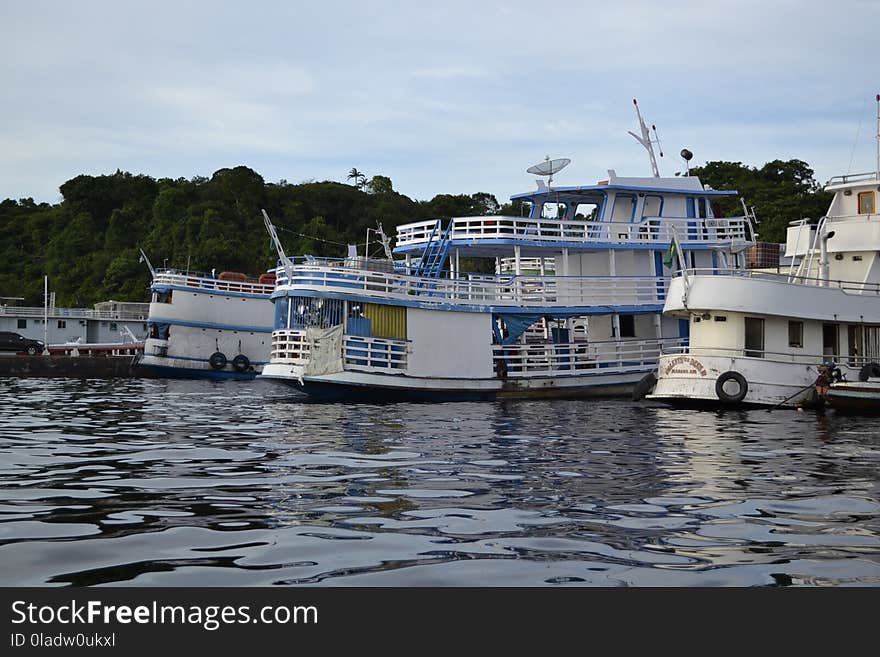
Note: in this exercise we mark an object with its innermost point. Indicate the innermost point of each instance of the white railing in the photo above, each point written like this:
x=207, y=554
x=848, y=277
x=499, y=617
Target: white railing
x=545, y=359
x=72, y=313
x=207, y=283
x=648, y=229
x=289, y=345
x=854, y=177
x=849, y=287
x=358, y=353
x=374, y=354
x=773, y=356
x=516, y=291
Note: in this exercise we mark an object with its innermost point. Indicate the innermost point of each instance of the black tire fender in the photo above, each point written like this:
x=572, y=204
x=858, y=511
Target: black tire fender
x=869, y=371
x=644, y=386
x=241, y=363
x=217, y=360
x=726, y=397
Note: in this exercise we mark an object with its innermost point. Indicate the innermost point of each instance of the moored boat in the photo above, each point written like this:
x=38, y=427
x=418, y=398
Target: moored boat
x=759, y=337
x=571, y=306
x=203, y=325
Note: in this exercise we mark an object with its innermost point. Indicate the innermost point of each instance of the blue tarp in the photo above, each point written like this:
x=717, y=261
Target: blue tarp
x=516, y=326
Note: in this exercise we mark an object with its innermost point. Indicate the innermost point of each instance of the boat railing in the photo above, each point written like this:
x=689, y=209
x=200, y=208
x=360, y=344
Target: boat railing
x=769, y=356
x=72, y=313
x=358, y=353
x=849, y=287
x=177, y=279
x=648, y=229
x=525, y=291
x=853, y=177
x=551, y=359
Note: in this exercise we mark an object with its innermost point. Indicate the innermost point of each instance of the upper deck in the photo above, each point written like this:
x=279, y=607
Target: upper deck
x=639, y=213
x=486, y=235
x=169, y=279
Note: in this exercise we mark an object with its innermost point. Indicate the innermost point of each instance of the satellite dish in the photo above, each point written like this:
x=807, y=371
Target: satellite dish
x=548, y=167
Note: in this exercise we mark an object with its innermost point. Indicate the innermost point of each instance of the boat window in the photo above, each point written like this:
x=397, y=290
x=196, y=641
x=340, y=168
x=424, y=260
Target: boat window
x=319, y=313
x=586, y=211
x=754, y=337
x=720, y=318
x=702, y=208
x=866, y=203
x=162, y=297
x=627, y=326
x=62, y=323
x=653, y=206
x=624, y=207
x=796, y=334
x=829, y=340
x=855, y=338
x=22, y=323
x=553, y=211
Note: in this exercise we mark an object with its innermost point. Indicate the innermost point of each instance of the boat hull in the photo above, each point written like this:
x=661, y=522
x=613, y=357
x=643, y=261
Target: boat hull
x=855, y=398
x=690, y=380
x=381, y=387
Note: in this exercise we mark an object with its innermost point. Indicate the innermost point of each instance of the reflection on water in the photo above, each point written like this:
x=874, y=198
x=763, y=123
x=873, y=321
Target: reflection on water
x=241, y=483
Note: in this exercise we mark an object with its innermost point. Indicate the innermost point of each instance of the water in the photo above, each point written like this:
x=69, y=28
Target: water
x=174, y=483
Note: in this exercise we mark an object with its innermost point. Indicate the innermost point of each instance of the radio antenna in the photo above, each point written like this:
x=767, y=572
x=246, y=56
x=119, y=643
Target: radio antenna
x=646, y=141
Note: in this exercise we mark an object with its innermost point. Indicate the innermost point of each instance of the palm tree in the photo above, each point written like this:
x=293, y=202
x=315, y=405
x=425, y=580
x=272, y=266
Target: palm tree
x=359, y=178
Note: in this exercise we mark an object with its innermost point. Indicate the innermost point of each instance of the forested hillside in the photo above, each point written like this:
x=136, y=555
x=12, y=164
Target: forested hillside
x=88, y=244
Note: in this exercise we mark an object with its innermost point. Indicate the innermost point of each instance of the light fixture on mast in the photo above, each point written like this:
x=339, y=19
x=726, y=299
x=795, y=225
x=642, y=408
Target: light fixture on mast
x=646, y=141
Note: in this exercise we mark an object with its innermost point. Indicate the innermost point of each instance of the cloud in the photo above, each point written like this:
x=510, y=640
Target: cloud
x=455, y=97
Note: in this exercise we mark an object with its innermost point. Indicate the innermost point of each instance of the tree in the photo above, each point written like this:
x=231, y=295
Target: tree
x=780, y=191
x=359, y=178
x=381, y=185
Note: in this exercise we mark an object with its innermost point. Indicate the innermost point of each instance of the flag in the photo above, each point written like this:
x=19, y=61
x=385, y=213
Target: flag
x=670, y=255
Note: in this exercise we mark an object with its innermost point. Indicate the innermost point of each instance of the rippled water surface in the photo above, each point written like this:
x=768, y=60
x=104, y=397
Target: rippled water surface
x=173, y=483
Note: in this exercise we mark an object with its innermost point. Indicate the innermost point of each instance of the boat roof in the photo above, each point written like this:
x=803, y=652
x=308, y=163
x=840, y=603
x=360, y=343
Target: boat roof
x=653, y=185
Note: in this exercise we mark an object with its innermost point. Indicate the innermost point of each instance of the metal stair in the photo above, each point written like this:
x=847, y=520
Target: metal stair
x=437, y=250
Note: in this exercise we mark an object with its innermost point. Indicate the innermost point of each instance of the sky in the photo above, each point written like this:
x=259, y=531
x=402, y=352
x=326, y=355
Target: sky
x=452, y=97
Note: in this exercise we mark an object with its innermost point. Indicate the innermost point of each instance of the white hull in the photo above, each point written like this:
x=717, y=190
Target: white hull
x=685, y=378
x=192, y=319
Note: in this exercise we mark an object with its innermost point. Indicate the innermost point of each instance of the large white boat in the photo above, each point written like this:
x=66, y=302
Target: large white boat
x=207, y=326
x=759, y=337
x=572, y=308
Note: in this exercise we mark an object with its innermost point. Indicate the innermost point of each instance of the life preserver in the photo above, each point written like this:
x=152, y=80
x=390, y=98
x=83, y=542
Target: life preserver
x=869, y=371
x=644, y=386
x=725, y=396
x=217, y=360
x=241, y=363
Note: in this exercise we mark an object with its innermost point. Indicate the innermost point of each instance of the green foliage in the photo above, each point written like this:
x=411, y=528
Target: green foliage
x=781, y=192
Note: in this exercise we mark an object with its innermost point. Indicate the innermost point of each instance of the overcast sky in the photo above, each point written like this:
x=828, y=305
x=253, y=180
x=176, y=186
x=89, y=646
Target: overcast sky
x=458, y=97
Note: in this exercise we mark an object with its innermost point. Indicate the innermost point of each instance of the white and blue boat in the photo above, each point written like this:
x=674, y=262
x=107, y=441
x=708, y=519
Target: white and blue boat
x=573, y=307
x=207, y=326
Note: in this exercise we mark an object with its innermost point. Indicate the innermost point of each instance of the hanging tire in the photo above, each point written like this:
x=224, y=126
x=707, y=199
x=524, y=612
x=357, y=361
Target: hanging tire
x=241, y=363
x=644, y=386
x=869, y=371
x=217, y=360
x=727, y=397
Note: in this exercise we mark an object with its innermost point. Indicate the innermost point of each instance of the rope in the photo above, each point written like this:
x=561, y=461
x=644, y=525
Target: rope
x=310, y=237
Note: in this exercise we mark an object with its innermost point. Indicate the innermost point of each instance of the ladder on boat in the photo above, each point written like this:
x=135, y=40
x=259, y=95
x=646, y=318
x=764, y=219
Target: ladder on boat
x=437, y=250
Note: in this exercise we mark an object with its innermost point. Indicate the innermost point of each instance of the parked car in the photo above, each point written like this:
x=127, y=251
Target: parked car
x=17, y=343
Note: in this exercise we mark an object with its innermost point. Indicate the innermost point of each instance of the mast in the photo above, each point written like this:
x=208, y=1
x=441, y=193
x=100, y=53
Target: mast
x=646, y=141
x=878, y=136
